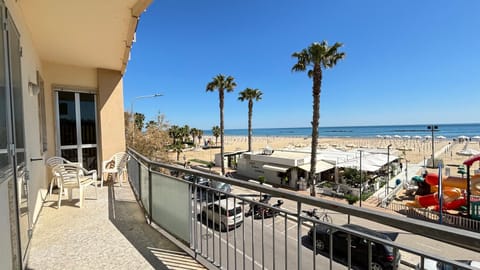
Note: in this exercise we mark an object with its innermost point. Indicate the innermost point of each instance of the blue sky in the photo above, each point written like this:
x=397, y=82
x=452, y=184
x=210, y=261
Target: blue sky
x=407, y=62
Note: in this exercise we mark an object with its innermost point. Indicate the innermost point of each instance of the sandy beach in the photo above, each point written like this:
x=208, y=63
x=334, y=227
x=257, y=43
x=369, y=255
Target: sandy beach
x=414, y=149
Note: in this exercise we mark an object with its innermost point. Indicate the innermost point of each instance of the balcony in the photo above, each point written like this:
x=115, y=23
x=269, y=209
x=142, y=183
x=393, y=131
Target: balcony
x=107, y=233
x=119, y=229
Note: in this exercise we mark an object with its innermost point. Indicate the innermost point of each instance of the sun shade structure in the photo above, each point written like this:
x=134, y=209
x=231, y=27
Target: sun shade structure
x=275, y=168
x=321, y=166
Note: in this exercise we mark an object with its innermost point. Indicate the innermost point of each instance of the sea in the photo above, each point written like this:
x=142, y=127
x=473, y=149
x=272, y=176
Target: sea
x=450, y=131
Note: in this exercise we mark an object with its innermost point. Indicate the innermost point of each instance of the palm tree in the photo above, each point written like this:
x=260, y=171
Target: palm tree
x=199, y=136
x=175, y=133
x=216, y=133
x=314, y=58
x=185, y=133
x=250, y=95
x=222, y=83
x=193, y=133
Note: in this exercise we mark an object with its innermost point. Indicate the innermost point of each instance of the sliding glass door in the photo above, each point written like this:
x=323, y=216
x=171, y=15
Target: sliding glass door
x=13, y=181
x=77, y=127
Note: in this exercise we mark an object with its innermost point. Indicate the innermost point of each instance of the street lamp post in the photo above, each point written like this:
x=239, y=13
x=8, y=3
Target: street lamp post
x=131, y=112
x=388, y=170
x=433, y=128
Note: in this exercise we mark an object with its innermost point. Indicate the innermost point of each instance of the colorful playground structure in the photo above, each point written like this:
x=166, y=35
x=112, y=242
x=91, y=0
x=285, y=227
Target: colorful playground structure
x=456, y=191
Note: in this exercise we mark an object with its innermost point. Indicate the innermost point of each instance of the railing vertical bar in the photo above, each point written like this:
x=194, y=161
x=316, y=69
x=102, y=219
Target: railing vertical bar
x=369, y=243
x=235, y=232
x=226, y=234
x=299, y=235
x=286, y=241
x=349, y=251
x=273, y=241
x=193, y=191
x=150, y=195
x=330, y=247
x=207, y=221
x=253, y=240
x=139, y=173
x=243, y=239
x=314, y=244
x=263, y=241
x=201, y=221
x=219, y=231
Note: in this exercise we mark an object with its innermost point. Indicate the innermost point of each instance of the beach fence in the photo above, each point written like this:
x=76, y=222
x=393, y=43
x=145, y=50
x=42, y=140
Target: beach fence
x=434, y=216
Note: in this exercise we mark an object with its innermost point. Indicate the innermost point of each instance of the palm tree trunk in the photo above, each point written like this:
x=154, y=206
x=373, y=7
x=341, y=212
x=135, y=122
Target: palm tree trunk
x=250, y=109
x=221, y=95
x=317, y=82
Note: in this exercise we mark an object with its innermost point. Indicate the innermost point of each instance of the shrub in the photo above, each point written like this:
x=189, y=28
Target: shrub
x=351, y=199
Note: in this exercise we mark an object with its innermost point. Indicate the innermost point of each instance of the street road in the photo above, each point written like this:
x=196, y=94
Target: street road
x=234, y=250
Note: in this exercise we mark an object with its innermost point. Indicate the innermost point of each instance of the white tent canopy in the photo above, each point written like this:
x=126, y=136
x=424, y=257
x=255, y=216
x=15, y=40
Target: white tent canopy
x=320, y=167
x=371, y=162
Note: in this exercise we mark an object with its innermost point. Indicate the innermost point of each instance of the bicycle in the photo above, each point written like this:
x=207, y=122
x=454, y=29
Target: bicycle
x=323, y=217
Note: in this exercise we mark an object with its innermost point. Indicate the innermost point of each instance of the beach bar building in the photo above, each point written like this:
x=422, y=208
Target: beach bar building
x=61, y=94
x=279, y=167
x=286, y=167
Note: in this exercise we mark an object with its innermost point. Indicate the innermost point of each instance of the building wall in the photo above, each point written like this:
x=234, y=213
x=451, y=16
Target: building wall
x=5, y=228
x=108, y=86
x=110, y=113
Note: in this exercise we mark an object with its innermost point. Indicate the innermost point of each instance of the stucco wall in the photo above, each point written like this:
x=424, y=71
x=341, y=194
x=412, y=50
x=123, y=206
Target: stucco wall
x=110, y=113
x=5, y=243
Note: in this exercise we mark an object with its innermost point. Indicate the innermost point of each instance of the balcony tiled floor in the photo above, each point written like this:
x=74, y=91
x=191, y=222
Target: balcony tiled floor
x=107, y=233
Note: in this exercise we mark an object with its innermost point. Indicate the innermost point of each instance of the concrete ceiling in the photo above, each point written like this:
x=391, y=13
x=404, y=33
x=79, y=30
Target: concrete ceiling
x=87, y=33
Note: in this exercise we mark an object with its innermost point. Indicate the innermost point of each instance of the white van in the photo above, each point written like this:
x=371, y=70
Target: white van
x=224, y=213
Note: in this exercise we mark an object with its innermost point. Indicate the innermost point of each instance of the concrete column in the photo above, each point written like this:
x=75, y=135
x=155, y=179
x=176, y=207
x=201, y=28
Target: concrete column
x=110, y=113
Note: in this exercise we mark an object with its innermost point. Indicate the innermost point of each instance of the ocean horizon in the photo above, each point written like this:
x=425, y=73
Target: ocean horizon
x=450, y=131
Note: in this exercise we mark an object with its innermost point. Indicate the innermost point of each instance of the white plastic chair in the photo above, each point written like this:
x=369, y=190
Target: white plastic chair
x=52, y=162
x=70, y=176
x=116, y=165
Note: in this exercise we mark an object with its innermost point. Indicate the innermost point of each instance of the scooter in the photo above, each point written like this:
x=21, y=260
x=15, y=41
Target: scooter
x=268, y=212
x=256, y=207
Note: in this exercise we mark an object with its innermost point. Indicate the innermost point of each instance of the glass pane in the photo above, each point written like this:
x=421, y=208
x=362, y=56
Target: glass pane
x=87, y=112
x=68, y=118
x=171, y=205
x=89, y=158
x=70, y=154
x=144, y=185
x=4, y=161
x=14, y=52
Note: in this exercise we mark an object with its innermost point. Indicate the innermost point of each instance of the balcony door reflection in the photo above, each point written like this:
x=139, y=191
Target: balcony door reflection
x=77, y=127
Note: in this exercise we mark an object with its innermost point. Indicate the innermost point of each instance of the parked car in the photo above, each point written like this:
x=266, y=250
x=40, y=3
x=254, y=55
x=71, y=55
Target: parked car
x=430, y=264
x=197, y=179
x=383, y=256
x=224, y=213
x=213, y=195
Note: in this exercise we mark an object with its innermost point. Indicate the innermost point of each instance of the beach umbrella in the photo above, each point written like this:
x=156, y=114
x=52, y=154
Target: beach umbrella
x=476, y=138
x=406, y=137
x=417, y=137
x=441, y=137
x=463, y=137
x=428, y=137
x=397, y=136
x=387, y=137
x=379, y=136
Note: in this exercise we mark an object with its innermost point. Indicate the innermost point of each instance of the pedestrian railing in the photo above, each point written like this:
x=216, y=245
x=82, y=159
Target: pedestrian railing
x=211, y=222
x=434, y=216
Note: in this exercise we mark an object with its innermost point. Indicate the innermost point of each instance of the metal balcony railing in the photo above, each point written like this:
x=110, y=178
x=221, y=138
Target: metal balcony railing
x=212, y=223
